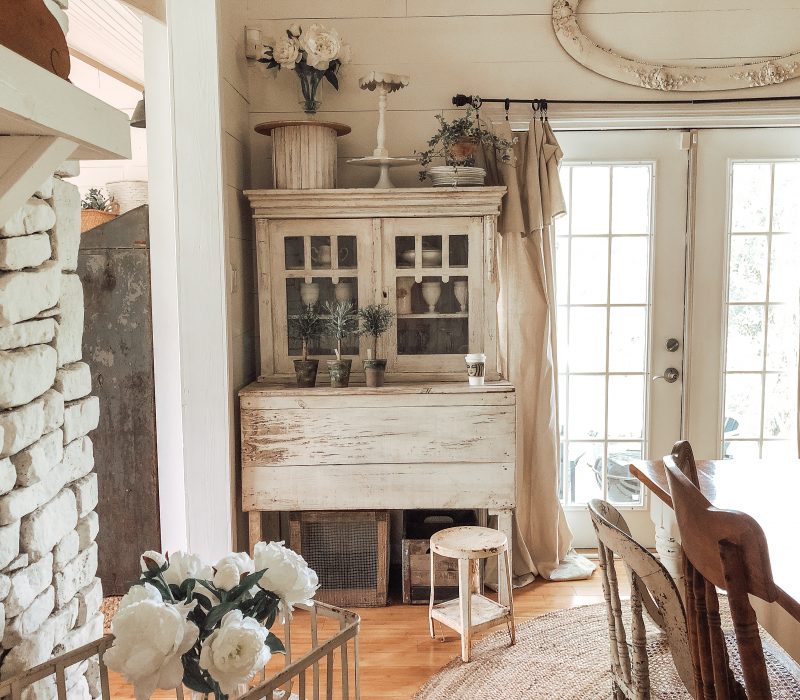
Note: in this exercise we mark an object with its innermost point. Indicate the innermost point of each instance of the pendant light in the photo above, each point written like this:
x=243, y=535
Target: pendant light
x=139, y=120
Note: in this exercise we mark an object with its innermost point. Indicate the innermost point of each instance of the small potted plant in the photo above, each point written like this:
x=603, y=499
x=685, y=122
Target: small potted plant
x=341, y=323
x=309, y=326
x=457, y=142
x=376, y=319
x=96, y=209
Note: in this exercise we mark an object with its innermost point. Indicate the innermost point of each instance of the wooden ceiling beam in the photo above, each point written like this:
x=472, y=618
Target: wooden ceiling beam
x=154, y=8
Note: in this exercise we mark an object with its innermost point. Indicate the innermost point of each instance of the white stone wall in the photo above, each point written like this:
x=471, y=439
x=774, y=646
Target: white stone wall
x=49, y=594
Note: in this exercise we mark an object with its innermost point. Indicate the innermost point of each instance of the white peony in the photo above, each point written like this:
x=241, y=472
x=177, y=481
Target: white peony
x=150, y=636
x=321, y=45
x=287, y=573
x=286, y=52
x=157, y=557
x=295, y=29
x=235, y=652
x=229, y=570
x=183, y=565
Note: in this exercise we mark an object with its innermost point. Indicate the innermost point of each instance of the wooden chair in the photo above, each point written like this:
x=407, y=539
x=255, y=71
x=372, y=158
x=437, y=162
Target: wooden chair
x=727, y=550
x=637, y=672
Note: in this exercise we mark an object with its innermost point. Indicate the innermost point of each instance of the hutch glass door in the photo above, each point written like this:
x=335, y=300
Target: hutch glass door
x=434, y=283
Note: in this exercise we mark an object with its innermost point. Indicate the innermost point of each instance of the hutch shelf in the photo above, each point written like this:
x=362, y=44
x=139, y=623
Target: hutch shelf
x=428, y=253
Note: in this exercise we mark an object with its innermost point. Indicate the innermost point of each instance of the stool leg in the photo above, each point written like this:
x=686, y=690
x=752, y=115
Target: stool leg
x=465, y=601
x=509, y=589
x=430, y=606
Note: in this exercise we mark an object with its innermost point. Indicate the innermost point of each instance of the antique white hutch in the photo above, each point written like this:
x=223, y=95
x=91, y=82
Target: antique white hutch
x=425, y=439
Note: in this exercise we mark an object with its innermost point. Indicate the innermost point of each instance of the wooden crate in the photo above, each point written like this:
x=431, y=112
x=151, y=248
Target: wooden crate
x=349, y=550
x=417, y=574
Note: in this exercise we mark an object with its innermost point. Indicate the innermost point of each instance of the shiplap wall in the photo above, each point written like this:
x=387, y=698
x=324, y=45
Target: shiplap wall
x=239, y=236
x=495, y=48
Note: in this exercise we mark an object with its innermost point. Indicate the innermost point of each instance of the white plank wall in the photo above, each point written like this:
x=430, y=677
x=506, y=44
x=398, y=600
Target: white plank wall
x=239, y=235
x=494, y=49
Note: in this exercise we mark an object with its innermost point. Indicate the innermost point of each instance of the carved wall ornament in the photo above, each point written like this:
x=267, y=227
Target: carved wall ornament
x=667, y=78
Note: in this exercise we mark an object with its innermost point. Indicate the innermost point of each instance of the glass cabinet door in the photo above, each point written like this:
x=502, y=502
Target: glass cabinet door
x=434, y=283
x=314, y=262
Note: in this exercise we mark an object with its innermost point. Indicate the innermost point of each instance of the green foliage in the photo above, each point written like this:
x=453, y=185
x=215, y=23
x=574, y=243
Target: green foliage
x=96, y=199
x=342, y=322
x=376, y=319
x=464, y=128
x=308, y=326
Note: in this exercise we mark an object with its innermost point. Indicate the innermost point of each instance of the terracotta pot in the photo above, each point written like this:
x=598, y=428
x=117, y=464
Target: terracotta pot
x=375, y=372
x=91, y=218
x=462, y=152
x=306, y=371
x=339, y=371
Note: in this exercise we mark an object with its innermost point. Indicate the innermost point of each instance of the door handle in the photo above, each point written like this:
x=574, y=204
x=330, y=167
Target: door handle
x=670, y=375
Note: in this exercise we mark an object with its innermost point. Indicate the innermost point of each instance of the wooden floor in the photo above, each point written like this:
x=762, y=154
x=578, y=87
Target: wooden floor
x=398, y=655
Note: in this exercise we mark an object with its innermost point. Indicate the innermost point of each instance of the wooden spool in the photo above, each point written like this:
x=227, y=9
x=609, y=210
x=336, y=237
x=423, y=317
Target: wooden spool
x=303, y=153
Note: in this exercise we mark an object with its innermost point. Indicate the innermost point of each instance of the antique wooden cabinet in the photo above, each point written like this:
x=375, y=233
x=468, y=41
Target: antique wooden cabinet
x=428, y=253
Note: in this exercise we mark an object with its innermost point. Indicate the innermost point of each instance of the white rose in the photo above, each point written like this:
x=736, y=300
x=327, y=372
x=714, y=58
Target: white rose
x=295, y=30
x=286, y=52
x=235, y=652
x=229, y=570
x=183, y=565
x=287, y=573
x=150, y=636
x=157, y=557
x=322, y=46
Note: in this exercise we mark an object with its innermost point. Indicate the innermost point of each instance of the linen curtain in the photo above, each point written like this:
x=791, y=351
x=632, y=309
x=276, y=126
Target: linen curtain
x=527, y=346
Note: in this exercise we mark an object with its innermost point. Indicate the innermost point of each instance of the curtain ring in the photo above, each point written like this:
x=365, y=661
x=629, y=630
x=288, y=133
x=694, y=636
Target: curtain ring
x=507, y=106
x=544, y=110
x=476, y=102
x=535, y=104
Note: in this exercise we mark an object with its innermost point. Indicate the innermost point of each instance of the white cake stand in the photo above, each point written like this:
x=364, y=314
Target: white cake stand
x=384, y=83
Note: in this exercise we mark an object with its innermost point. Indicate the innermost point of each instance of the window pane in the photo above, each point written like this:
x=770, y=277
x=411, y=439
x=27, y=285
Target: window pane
x=780, y=406
x=627, y=343
x=751, y=197
x=585, y=471
x=626, y=406
x=629, y=270
x=587, y=398
x=784, y=280
x=748, y=269
x=587, y=339
x=779, y=449
x=630, y=200
x=562, y=269
x=590, y=199
x=623, y=489
x=743, y=404
x=588, y=276
x=742, y=449
x=783, y=337
x=786, y=204
x=745, y=345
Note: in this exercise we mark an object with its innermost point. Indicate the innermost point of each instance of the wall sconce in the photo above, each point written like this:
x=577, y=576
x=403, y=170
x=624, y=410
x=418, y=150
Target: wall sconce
x=253, y=44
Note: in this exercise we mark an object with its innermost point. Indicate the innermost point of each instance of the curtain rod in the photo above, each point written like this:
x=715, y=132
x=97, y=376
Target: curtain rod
x=476, y=101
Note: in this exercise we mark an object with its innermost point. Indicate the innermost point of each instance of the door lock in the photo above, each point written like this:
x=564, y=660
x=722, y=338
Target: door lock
x=673, y=344
x=670, y=375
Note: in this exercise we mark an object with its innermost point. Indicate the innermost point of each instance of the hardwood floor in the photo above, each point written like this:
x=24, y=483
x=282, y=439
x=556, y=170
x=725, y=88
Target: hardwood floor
x=398, y=655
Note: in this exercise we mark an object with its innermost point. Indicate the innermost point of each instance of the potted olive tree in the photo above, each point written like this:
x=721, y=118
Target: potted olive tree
x=342, y=323
x=309, y=326
x=376, y=319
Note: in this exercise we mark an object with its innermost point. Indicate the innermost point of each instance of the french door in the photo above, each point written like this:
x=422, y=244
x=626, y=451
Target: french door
x=627, y=388
x=620, y=290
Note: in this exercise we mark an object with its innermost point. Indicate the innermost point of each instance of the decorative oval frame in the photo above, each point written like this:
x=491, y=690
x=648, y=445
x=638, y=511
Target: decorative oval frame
x=664, y=77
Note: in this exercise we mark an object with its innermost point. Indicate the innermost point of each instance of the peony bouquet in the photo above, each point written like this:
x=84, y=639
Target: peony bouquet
x=313, y=53
x=206, y=627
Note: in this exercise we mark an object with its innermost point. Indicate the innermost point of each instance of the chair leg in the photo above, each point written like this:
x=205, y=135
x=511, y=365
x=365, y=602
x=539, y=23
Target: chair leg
x=465, y=602
x=509, y=587
x=433, y=595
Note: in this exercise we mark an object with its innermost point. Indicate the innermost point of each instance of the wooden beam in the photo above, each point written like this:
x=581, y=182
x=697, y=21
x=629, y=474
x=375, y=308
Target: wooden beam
x=25, y=163
x=154, y=8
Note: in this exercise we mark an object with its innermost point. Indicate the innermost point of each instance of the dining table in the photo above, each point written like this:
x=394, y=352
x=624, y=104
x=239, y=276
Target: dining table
x=767, y=490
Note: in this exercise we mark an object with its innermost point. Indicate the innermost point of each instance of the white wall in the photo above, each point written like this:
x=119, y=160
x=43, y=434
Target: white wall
x=496, y=49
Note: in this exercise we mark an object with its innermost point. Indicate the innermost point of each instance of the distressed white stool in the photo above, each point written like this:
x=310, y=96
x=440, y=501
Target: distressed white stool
x=472, y=612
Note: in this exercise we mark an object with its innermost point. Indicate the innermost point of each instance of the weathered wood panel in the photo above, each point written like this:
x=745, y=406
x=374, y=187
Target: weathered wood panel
x=391, y=486
x=114, y=266
x=395, y=434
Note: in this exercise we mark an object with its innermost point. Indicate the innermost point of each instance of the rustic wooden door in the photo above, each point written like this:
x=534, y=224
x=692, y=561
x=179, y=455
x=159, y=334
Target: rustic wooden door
x=114, y=267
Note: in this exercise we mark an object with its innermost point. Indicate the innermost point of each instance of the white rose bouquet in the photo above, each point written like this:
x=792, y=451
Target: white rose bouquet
x=206, y=627
x=314, y=53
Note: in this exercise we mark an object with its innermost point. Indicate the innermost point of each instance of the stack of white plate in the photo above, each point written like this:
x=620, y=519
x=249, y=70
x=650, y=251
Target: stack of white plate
x=456, y=176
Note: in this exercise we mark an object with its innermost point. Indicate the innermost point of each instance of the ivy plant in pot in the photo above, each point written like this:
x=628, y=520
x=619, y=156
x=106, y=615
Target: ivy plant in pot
x=342, y=323
x=376, y=319
x=309, y=326
x=457, y=142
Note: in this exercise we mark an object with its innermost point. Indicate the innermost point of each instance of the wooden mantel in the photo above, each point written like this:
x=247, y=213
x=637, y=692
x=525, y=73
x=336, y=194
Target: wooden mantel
x=45, y=120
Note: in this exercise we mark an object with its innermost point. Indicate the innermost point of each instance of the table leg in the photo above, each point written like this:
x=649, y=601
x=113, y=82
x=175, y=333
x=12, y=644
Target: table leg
x=504, y=524
x=465, y=603
x=668, y=541
x=255, y=527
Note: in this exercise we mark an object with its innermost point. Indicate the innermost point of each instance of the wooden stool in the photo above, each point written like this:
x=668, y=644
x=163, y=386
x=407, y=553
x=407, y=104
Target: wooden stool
x=472, y=612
